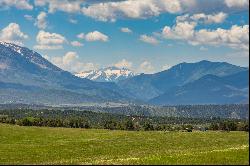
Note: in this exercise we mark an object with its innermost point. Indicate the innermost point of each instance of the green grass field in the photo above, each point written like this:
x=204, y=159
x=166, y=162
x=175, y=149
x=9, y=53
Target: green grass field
x=35, y=145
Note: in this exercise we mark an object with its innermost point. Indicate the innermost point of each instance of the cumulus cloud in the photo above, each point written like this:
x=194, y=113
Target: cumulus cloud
x=93, y=36
x=41, y=22
x=69, y=58
x=40, y=2
x=96, y=36
x=71, y=62
x=182, y=30
x=138, y=9
x=126, y=30
x=237, y=3
x=110, y=11
x=146, y=67
x=48, y=40
x=19, y=4
x=76, y=44
x=13, y=34
x=235, y=37
x=68, y=6
x=149, y=39
x=203, y=18
x=123, y=64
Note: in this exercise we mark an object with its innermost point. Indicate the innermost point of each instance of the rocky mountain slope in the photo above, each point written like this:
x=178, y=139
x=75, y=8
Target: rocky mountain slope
x=109, y=74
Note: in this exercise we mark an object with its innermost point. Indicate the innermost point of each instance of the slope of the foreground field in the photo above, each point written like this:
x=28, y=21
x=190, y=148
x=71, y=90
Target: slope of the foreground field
x=35, y=145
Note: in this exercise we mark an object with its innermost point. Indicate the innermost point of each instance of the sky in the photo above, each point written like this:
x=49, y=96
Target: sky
x=146, y=36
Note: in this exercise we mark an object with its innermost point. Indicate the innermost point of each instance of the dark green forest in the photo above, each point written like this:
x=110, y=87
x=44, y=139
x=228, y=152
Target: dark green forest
x=97, y=120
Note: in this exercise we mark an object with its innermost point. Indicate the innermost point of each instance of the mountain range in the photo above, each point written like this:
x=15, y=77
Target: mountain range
x=148, y=86
x=209, y=89
x=109, y=74
x=26, y=77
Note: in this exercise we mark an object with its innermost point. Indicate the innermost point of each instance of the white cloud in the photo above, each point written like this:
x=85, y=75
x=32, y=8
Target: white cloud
x=182, y=30
x=110, y=11
x=149, y=39
x=48, y=40
x=67, y=62
x=126, y=30
x=40, y=2
x=69, y=58
x=142, y=9
x=68, y=6
x=28, y=17
x=123, y=64
x=235, y=37
x=76, y=44
x=81, y=36
x=146, y=67
x=93, y=36
x=96, y=36
x=19, y=4
x=13, y=34
x=210, y=18
x=71, y=62
x=237, y=3
x=41, y=22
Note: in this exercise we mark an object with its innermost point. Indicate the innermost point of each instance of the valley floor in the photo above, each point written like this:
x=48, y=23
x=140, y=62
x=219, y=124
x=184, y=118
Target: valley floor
x=40, y=145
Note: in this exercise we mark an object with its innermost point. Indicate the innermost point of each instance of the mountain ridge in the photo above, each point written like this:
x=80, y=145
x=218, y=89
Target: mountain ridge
x=26, y=67
x=25, y=76
x=209, y=89
x=148, y=86
x=108, y=74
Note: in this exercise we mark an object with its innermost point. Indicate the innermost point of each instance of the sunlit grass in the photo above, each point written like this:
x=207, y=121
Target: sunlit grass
x=35, y=145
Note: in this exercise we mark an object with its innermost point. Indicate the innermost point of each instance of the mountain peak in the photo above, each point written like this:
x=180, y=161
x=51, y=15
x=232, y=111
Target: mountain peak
x=12, y=46
x=25, y=76
x=108, y=74
x=15, y=52
x=205, y=61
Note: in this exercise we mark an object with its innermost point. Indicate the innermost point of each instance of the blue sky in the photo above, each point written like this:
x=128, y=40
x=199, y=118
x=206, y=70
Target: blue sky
x=145, y=36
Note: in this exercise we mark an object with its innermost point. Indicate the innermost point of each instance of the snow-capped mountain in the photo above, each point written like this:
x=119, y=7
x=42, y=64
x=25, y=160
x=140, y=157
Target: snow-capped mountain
x=24, y=53
x=109, y=74
x=27, y=77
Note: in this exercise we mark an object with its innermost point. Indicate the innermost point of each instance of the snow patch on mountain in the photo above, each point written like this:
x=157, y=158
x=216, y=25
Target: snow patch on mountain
x=12, y=46
x=30, y=55
x=109, y=74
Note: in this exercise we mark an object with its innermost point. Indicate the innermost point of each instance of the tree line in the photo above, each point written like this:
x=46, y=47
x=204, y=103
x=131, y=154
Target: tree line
x=88, y=119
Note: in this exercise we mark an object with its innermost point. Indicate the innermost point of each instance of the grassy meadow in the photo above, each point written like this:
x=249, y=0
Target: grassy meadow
x=40, y=145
